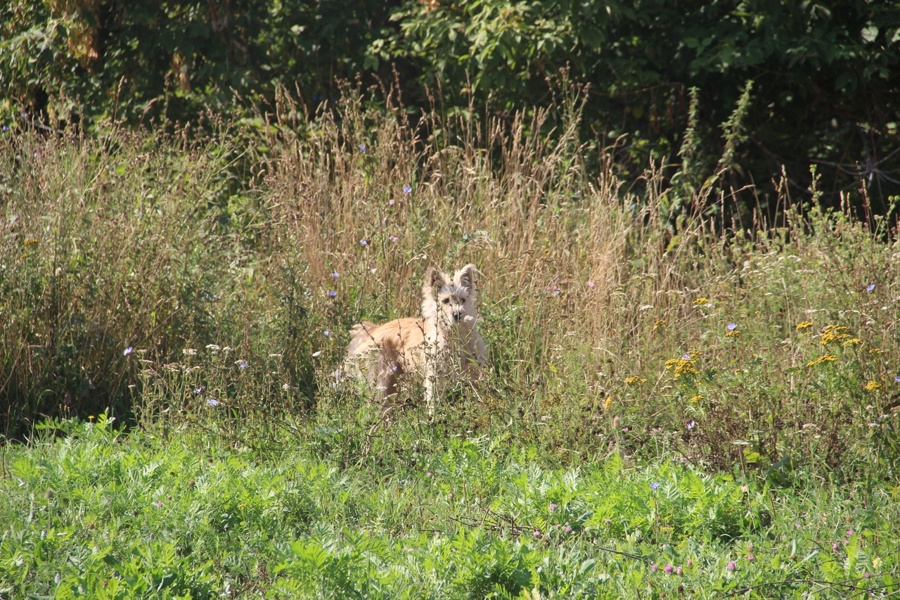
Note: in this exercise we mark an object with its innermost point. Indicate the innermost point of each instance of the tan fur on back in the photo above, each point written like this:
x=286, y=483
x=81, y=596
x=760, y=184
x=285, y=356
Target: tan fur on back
x=445, y=339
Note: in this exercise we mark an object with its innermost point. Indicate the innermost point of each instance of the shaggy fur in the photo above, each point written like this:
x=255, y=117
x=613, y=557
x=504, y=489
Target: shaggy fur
x=443, y=341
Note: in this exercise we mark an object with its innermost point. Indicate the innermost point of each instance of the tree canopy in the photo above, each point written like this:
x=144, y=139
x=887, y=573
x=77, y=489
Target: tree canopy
x=778, y=84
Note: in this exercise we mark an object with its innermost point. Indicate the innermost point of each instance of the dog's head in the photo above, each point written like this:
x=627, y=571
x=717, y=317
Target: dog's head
x=451, y=299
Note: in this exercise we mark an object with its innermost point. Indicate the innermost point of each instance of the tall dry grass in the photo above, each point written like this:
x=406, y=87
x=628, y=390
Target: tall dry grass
x=591, y=294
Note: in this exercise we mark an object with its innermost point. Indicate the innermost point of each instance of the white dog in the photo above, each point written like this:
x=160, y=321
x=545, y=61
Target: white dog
x=442, y=342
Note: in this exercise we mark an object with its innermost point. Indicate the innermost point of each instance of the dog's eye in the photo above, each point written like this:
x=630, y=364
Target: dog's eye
x=446, y=300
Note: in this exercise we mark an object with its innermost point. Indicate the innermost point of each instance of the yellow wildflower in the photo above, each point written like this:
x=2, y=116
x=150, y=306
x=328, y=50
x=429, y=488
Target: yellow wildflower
x=804, y=325
x=632, y=380
x=681, y=366
x=852, y=342
x=31, y=242
x=659, y=323
x=875, y=351
x=701, y=300
x=607, y=403
x=697, y=398
x=872, y=386
x=822, y=359
x=834, y=334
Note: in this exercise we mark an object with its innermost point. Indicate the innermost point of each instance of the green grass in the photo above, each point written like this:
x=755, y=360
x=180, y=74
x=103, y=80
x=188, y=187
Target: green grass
x=102, y=514
x=180, y=285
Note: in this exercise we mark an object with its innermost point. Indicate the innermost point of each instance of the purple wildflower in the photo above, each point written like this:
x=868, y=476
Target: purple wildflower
x=870, y=288
x=212, y=402
x=691, y=425
x=668, y=569
x=552, y=507
x=731, y=326
x=332, y=294
x=731, y=565
x=326, y=333
x=128, y=351
x=363, y=242
x=654, y=485
x=407, y=189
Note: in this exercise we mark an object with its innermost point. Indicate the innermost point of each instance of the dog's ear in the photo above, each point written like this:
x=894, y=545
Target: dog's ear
x=434, y=281
x=467, y=276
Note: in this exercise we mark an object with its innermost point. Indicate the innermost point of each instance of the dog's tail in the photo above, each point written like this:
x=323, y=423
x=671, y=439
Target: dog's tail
x=360, y=338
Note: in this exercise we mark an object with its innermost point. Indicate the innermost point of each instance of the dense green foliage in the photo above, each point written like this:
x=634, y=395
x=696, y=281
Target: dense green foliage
x=103, y=515
x=824, y=75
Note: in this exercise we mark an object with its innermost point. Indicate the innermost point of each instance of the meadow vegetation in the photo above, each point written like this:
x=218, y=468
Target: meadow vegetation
x=675, y=404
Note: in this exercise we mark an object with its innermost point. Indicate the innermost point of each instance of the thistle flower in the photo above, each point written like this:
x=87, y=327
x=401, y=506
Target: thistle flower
x=731, y=565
